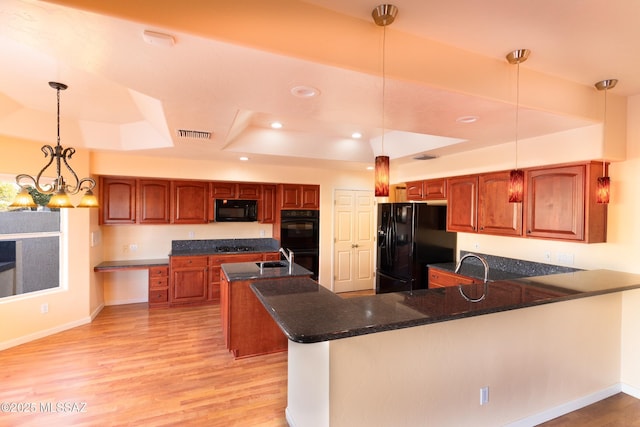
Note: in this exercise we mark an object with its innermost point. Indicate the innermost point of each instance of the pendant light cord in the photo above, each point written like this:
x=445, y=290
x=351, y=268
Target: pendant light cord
x=517, y=108
x=384, y=42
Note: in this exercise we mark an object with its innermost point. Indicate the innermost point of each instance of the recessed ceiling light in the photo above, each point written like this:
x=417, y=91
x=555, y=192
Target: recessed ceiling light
x=356, y=135
x=244, y=158
x=370, y=168
x=158, y=39
x=467, y=119
x=276, y=125
x=304, y=91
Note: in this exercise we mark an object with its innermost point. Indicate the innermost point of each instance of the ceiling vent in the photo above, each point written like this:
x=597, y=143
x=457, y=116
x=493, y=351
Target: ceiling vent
x=193, y=134
x=424, y=157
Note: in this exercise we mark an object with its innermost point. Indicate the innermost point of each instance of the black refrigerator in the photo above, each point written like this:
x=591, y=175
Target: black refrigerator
x=410, y=236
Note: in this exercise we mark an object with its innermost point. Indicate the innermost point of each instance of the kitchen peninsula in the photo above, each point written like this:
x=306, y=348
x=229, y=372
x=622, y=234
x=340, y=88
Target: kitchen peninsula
x=420, y=358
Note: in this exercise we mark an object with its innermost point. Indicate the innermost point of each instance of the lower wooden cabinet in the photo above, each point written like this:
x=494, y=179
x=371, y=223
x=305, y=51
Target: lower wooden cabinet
x=195, y=280
x=158, y=287
x=189, y=280
x=248, y=329
x=441, y=278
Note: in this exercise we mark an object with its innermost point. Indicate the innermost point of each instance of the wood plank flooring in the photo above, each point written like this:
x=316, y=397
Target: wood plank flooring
x=133, y=366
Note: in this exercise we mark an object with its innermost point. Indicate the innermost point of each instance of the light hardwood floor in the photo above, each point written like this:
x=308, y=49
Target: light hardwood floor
x=132, y=366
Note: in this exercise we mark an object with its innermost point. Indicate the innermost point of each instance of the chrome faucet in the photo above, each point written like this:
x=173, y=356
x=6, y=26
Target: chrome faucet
x=486, y=277
x=288, y=255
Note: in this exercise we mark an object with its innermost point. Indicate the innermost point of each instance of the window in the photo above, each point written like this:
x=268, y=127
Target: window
x=30, y=242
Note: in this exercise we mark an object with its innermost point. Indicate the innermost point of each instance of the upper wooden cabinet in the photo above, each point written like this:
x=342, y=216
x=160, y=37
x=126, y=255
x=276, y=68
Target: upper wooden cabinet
x=462, y=201
x=235, y=190
x=267, y=204
x=117, y=200
x=495, y=214
x=428, y=189
x=560, y=203
x=153, y=201
x=189, y=202
x=296, y=196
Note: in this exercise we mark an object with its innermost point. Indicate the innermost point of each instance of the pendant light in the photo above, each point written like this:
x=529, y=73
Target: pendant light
x=59, y=190
x=516, y=176
x=604, y=182
x=383, y=15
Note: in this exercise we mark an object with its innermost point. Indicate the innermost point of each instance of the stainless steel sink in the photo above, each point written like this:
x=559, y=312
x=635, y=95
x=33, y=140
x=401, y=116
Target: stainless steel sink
x=272, y=264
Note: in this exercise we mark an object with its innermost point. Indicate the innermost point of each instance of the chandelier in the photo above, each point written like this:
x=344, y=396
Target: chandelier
x=59, y=190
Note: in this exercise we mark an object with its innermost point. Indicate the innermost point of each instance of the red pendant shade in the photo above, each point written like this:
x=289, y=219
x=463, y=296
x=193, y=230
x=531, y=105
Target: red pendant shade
x=602, y=189
x=516, y=186
x=382, y=176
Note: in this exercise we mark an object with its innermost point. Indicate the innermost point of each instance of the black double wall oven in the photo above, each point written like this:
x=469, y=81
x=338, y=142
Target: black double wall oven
x=300, y=232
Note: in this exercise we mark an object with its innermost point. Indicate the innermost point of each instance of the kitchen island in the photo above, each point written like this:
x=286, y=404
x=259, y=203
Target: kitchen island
x=247, y=328
x=540, y=344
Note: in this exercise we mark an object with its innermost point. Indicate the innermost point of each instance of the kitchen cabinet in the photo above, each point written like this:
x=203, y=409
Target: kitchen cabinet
x=153, y=201
x=158, y=287
x=248, y=329
x=223, y=190
x=462, y=199
x=117, y=200
x=495, y=214
x=189, y=202
x=215, y=261
x=428, y=189
x=560, y=203
x=297, y=196
x=235, y=190
x=189, y=280
x=441, y=278
x=267, y=204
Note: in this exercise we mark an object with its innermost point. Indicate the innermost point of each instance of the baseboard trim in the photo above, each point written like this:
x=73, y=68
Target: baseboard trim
x=126, y=301
x=631, y=391
x=97, y=311
x=565, y=408
x=44, y=333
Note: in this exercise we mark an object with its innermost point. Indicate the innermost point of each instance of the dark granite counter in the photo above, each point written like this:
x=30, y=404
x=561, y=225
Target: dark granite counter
x=135, y=264
x=7, y=265
x=501, y=268
x=251, y=271
x=222, y=246
x=307, y=312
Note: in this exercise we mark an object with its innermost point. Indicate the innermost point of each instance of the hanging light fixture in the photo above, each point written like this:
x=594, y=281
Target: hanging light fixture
x=604, y=182
x=516, y=176
x=59, y=190
x=383, y=15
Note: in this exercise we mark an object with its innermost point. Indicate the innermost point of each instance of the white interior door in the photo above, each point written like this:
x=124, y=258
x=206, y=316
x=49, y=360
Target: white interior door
x=354, y=242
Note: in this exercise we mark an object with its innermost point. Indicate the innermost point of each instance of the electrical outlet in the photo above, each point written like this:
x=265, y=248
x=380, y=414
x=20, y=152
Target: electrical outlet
x=484, y=395
x=133, y=247
x=476, y=246
x=192, y=234
x=44, y=308
x=261, y=233
x=547, y=256
x=565, y=258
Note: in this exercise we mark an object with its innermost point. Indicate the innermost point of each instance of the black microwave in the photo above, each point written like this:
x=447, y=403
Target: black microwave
x=236, y=210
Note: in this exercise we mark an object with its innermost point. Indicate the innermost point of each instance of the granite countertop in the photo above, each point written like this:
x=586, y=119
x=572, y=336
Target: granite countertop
x=308, y=313
x=7, y=265
x=477, y=271
x=133, y=264
x=251, y=271
x=223, y=246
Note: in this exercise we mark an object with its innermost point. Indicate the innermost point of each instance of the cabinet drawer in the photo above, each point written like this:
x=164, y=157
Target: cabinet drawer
x=158, y=271
x=189, y=262
x=158, y=282
x=158, y=296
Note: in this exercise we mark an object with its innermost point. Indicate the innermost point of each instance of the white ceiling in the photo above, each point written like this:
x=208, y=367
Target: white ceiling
x=125, y=94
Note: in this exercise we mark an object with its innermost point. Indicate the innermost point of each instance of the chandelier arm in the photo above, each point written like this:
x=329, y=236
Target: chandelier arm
x=46, y=188
x=67, y=153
